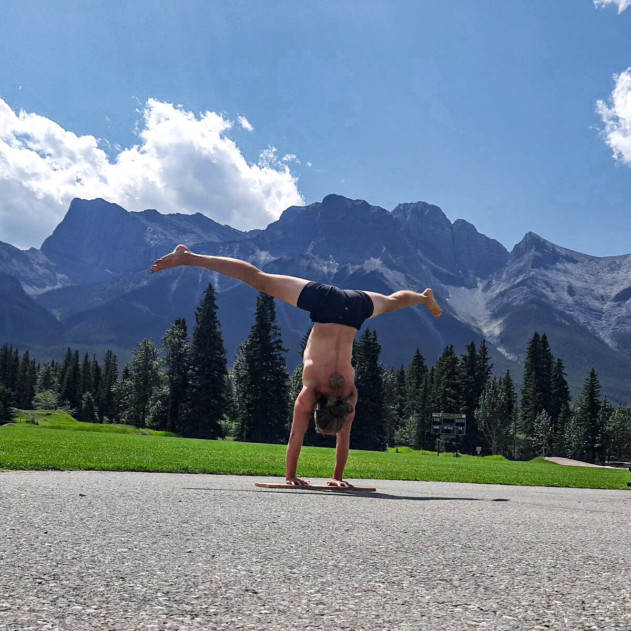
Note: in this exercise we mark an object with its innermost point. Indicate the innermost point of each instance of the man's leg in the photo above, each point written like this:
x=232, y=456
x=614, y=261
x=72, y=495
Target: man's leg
x=401, y=300
x=285, y=288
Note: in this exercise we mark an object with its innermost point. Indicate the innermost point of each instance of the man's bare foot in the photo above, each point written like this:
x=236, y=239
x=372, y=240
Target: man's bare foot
x=177, y=257
x=431, y=304
x=297, y=482
x=336, y=482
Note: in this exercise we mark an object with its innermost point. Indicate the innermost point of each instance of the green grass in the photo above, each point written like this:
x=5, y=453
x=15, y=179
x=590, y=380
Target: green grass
x=76, y=445
x=62, y=420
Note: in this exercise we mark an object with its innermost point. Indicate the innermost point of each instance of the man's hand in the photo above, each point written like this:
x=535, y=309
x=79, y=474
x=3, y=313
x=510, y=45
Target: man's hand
x=335, y=482
x=297, y=482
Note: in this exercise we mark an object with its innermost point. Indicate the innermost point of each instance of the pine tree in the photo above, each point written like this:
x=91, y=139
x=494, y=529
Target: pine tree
x=604, y=416
x=6, y=405
x=446, y=395
x=474, y=374
x=424, y=438
x=532, y=394
x=141, y=384
x=618, y=430
x=547, y=363
x=25, y=385
x=32, y=378
x=395, y=400
x=559, y=405
x=387, y=378
x=588, y=410
x=542, y=433
x=47, y=378
x=86, y=376
x=208, y=375
x=177, y=361
x=468, y=377
x=70, y=381
x=9, y=366
x=490, y=416
x=5, y=353
x=240, y=380
x=88, y=409
x=483, y=368
x=369, y=429
x=415, y=384
x=575, y=436
x=229, y=422
x=106, y=398
x=509, y=412
x=96, y=376
x=261, y=379
x=401, y=431
x=542, y=390
x=417, y=416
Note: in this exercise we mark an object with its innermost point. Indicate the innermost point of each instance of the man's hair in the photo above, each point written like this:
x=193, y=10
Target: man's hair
x=330, y=414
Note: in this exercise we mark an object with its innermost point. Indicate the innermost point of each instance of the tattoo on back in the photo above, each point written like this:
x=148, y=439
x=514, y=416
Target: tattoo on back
x=336, y=381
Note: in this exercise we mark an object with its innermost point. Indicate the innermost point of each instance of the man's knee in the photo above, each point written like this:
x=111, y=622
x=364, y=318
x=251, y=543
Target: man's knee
x=381, y=304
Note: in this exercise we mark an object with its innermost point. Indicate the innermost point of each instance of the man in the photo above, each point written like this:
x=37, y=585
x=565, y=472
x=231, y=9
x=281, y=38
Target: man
x=328, y=378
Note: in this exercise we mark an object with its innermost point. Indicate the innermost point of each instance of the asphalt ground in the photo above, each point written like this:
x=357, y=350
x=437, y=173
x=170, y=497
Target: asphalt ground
x=97, y=551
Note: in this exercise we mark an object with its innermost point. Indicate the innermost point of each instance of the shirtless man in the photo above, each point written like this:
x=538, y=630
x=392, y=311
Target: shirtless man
x=328, y=378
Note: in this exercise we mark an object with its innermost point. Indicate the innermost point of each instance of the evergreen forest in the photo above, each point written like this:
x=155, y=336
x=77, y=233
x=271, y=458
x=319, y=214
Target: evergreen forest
x=187, y=387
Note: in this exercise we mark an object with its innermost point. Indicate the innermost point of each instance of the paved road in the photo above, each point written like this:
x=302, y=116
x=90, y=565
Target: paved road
x=93, y=550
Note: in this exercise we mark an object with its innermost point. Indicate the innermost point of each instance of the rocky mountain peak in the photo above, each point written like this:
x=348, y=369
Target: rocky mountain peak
x=536, y=252
x=428, y=213
x=89, y=284
x=98, y=240
x=95, y=240
x=458, y=247
x=339, y=202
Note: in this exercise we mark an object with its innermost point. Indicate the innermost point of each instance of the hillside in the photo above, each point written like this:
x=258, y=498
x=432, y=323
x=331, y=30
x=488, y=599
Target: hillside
x=89, y=286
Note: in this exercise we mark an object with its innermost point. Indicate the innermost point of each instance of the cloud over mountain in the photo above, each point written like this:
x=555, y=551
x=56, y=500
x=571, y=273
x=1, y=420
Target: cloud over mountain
x=621, y=4
x=617, y=117
x=183, y=162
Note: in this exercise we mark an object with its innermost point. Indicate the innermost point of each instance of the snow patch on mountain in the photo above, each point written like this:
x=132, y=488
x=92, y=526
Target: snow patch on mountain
x=470, y=305
x=37, y=290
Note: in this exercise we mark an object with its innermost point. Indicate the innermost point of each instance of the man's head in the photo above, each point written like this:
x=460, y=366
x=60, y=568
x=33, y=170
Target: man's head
x=330, y=414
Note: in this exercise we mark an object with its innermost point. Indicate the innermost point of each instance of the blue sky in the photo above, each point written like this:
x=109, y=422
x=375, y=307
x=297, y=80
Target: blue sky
x=501, y=112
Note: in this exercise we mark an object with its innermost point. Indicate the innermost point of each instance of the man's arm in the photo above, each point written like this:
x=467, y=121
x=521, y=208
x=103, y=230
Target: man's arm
x=343, y=445
x=302, y=414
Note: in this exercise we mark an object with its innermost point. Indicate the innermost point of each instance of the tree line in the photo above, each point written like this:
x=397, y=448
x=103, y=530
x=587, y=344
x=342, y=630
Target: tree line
x=185, y=387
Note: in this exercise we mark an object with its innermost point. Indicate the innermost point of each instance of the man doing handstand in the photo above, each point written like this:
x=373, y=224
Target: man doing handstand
x=328, y=378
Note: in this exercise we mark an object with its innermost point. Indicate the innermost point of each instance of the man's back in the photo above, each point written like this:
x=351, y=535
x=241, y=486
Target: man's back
x=327, y=360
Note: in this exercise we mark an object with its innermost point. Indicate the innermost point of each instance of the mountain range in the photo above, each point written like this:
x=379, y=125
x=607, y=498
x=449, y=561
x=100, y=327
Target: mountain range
x=89, y=286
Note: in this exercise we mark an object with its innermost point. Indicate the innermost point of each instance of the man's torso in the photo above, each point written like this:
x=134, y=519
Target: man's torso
x=327, y=365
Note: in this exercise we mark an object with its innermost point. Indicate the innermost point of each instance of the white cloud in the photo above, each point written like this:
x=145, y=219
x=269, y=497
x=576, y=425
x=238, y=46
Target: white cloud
x=617, y=117
x=245, y=123
x=182, y=163
x=621, y=4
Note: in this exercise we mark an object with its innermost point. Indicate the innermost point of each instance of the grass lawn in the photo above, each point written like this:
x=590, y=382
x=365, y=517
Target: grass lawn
x=59, y=442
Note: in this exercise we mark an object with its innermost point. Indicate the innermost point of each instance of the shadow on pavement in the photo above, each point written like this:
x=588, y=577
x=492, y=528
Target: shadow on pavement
x=362, y=494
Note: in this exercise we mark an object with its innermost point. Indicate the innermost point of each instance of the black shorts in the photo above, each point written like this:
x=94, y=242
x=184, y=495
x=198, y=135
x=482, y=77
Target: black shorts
x=329, y=305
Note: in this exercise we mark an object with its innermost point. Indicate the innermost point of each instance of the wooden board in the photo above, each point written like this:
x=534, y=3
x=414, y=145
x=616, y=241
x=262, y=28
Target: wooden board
x=314, y=487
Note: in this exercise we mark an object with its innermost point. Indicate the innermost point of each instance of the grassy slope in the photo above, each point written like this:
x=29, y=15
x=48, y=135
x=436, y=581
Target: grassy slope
x=60, y=442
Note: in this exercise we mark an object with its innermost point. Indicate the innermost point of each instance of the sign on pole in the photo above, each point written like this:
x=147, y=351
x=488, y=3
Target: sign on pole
x=450, y=424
